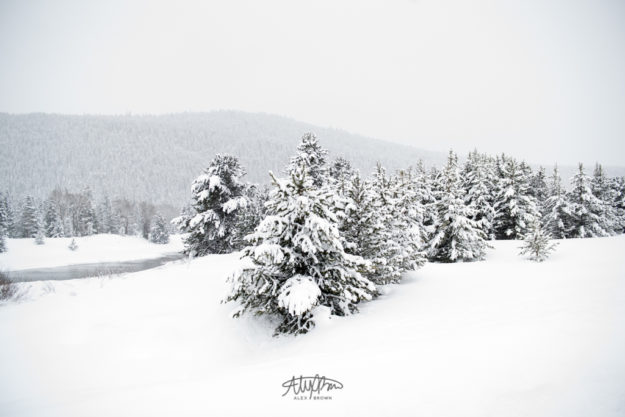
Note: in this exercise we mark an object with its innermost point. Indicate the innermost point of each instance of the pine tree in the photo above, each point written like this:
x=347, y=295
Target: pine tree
x=586, y=209
x=39, y=236
x=52, y=224
x=4, y=221
x=401, y=243
x=537, y=244
x=313, y=157
x=515, y=208
x=477, y=182
x=29, y=222
x=538, y=189
x=217, y=197
x=299, y=260
x=159, y=232
x=249, y=217
x=364, y=231
x=73, y=245
x=557, y=217
x=457, y=237
x=618, y=186
x=602, y=189
x=341, y=173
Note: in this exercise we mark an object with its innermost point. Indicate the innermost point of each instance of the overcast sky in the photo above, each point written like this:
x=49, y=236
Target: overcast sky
x=542, y=80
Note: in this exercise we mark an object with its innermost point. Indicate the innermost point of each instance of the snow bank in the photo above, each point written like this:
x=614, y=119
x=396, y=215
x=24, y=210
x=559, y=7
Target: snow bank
x=24, y=254
x=503, y=337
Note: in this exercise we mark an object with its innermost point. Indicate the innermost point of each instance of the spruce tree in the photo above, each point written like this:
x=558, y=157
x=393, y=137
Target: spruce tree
x=4, y=220
x=602, y=189
x=536, y=243
x=52, y=223
x=29, y=222
x=457, y=237
x=586, y=208
x=538, y=189
x=298, y=259
x=557, y=217
x=217, y=197
x=515, y=208
x=401, y=244
x=477, y=182
x=364, y=230
x=313, y=157
x=159, y=232
x=73, y=246
x=340, y=174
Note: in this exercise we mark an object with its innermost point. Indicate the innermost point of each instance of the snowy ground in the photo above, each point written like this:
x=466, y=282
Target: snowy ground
x=504, y=337
x=25, y=254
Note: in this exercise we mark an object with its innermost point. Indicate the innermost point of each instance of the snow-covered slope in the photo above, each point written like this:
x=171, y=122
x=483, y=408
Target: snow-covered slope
x=503, y=337
x=25, y=254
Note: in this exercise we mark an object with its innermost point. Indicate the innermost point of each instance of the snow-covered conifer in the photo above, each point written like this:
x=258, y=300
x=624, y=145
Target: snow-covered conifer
x=602, y=189
x=298, y=259
x=401, y=244
x=538, y=188
x=217, y=197
x=29, y=222
x=52, y=223
x=457, y=236
x=313, y=158
x=557, y=218
x=537, y=244
x=586, y=208
x=341, y=173
x=159, y=232
x=515, y=208
x=39, y=236
x=73, y=245
x=477, y=182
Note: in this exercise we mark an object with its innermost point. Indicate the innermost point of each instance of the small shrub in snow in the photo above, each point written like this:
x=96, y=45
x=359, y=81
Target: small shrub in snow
x=8, y=289
x=72, y=245
x=39, y=237
x=537, y=244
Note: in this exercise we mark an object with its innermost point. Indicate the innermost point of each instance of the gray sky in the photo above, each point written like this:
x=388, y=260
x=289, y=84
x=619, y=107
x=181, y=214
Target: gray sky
x=542, y=80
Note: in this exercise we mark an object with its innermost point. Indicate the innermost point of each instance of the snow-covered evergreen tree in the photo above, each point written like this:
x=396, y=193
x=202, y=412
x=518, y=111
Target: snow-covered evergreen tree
x=618, y=185
x=515, y=208
x=217, y=197
x=39, y=236
x=602, y=189
x=457, y=236
x=4, y=224
x=159, y=232
x=341, y=173
x=249, y=218
x=313, y=157
x=477, y=182
x=401, y=244
x=557, y=218
x=73, y=245
x=538, y=189
x=29, y=222
x=586, y=209
x=85, y=220
x=299, y=260
x=537, y=244
x=52, y=223
x=364, y=230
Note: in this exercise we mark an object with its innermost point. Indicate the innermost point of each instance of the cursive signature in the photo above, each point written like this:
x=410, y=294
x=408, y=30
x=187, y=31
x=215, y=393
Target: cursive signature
x=310, y=384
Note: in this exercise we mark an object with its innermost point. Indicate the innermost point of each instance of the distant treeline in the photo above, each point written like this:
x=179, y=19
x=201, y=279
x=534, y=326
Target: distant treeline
x=68, y=214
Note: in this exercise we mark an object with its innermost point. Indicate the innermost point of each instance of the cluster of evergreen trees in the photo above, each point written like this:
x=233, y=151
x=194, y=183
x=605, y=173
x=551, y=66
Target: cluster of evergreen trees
x=325, y=236
x=66, y=214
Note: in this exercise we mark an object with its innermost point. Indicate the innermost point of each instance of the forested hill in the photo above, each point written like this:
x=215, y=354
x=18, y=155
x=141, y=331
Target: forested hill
x=155, y=158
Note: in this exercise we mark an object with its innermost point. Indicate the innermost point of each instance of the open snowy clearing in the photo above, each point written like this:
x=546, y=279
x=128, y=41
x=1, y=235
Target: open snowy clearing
x=25, y=254
x=503, y=337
